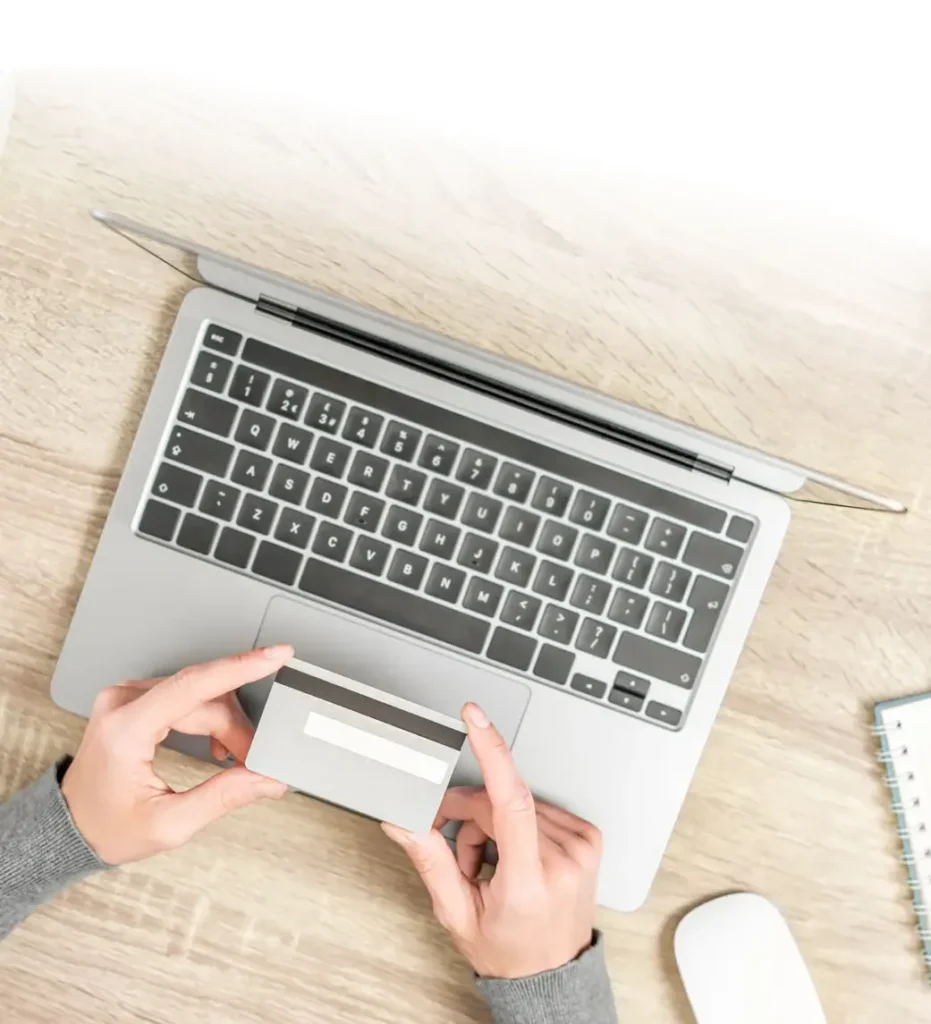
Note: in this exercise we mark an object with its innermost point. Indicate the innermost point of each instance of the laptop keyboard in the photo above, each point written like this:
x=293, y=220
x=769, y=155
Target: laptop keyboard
x=326, y=484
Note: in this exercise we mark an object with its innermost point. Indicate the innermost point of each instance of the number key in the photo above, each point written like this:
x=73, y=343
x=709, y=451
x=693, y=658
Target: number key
x=589, y=510
x=362, y=426
x=287, y=399
x=400, y=441
x=475, y=468
x=325, y=413
x=249, y=385
x=551, y=496
x=438, y=454
x=513, y=482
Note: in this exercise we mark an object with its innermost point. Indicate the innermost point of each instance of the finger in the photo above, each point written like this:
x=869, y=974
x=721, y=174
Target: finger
x=180, y=694
x=582, y=838
x=470, y=848
x=182, y=815
x=434, y=861
x=224, y=720
x=217, y=751
x=514, y=817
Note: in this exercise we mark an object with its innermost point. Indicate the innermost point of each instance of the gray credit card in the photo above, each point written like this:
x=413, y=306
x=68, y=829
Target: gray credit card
x=356, y=746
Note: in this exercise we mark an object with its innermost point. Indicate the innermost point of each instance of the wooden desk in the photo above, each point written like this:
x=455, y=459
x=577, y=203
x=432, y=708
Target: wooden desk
x=806, y=338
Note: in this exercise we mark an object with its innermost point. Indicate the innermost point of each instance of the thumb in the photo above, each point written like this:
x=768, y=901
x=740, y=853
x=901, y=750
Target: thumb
x=226, y=791
x=435, y=862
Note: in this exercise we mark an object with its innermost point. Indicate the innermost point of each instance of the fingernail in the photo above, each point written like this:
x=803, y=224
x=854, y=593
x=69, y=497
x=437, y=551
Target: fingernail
x=271, y=789
x=398, y=834
x=475, y=716
x=278, y=652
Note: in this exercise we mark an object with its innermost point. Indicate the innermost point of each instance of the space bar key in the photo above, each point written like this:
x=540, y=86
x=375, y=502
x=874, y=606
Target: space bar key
x=323, y=579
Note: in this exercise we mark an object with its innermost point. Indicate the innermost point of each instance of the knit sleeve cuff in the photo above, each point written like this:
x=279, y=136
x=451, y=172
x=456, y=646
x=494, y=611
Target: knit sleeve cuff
x=579, y=992
x=42, y=849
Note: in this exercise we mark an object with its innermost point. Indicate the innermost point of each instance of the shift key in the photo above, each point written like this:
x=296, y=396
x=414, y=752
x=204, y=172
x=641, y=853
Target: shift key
x=199, y=451
x=650, y=658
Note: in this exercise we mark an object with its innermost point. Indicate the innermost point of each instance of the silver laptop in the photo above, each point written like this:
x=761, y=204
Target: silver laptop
x=441, y=524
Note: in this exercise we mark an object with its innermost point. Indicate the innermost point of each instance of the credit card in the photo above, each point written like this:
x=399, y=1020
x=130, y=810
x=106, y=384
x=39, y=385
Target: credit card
x=352, y=744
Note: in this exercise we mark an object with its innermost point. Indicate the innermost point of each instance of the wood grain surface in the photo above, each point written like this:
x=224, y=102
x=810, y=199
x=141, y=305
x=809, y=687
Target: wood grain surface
x=809, y=337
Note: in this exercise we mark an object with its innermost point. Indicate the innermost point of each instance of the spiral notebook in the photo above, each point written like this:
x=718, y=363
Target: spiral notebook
x=904, y=730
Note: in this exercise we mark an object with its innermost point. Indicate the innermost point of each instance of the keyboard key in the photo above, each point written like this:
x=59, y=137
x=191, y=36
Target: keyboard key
x=199, y=451
x=662, y=713
x=666, y=621
x=400, y=441
x=443, y=499
x=594, y=553
x=407, y=569
x=368, y=471
x=249, y=385
x=589, y=510
x=222, y=339
x=623, y=699
x=519, y=526
x=481, y=512
x=255, y=429
x=515, y=566
x=627, y=524
x=707, y=601
x=510, y=648
x=521, y=610
x=211, y=372
x=330, y=457
x=364, y=512
x=631, y=684
x=370, y=555
x=670, y=581
x=557, y=539
x=439, y=539
x=476, y=468
x=398, y=607
x=277, y=563
x=292, y=443
x=256, y=514
x=590, y=594
x=551, y=496
x=325, y=414
x=362, y=426
x=483, y=596
x=553, y=580
x=234, y=547
x=331, y=541
x=484, y=435
x=438, y=454
x=513, y=482
x=642, y=655
x=712, y=555
x=739, y=529
x=402, y=524
x=326, y=497
x=286, y=399
x=632, y=567
x=219, y=500
x=585, y=684
x=159, y=520
x=196, y=533
x=477, y=553
x=406, y=485
x=558, y=624
x=176, y=484
x=665, y=538
x=628, y=608
x=289, y=484
x=595, y=638
x=294, y=527
x=554, y=664
x=445, y=582
x=207, y=412
x=251, y=470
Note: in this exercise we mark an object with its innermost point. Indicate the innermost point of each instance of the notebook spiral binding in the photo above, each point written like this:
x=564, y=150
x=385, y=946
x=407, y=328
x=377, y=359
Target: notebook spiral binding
x=893, y=759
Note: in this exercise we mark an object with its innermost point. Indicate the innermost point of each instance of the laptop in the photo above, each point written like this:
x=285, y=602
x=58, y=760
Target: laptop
x=440, y=524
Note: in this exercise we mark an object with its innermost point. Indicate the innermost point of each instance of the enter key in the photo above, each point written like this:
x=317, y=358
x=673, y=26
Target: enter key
x=707, y=602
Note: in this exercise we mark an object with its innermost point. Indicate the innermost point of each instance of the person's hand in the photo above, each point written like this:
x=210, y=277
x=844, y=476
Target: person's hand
x=537, y=911
x=122, y=808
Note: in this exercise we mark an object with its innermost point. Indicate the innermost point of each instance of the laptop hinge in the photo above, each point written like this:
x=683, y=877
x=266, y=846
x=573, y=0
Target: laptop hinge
x=385, y=348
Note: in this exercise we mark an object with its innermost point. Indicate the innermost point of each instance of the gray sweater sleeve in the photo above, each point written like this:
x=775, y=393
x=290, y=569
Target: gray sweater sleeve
x=576, y=993
x=41, y=850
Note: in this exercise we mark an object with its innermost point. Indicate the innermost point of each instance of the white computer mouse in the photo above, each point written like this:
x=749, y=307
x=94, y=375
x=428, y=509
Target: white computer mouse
x=740, y=965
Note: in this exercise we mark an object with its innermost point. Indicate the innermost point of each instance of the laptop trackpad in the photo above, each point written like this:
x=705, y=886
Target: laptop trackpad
x=404, y=667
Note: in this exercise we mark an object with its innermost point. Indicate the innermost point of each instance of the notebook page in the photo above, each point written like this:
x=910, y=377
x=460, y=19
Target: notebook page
x=907, y=751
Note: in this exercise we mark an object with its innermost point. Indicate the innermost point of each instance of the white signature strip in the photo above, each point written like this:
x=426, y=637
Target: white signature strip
x=378, y=748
